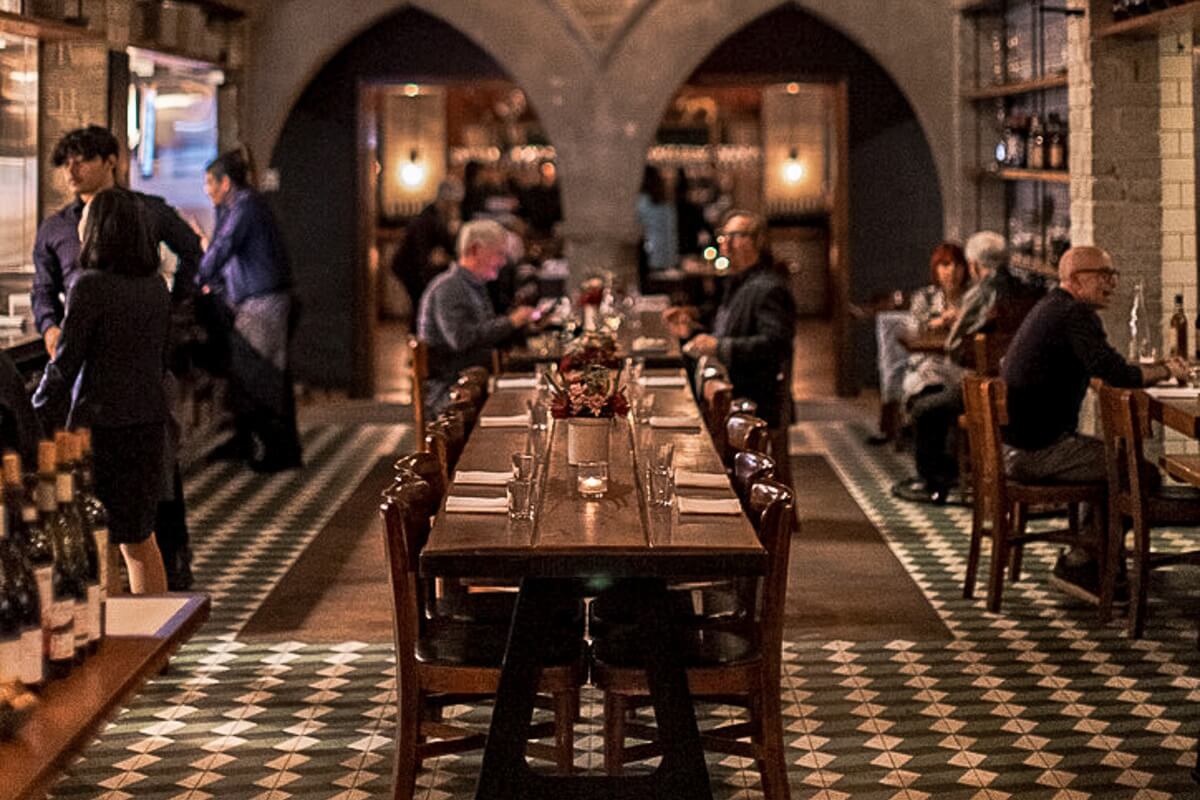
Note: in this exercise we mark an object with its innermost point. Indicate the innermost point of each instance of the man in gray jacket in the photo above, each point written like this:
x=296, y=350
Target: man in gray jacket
x=456, y=318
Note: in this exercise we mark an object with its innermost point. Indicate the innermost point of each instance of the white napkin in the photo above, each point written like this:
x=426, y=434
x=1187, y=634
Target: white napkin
x=477, y=505
x=523, y=382
x=1174, y=392
x=650, y=344
x=483, y=477
x=704, y=505
x=514, y=421
x=701, y=480
x=674, y=422
x=672, y=381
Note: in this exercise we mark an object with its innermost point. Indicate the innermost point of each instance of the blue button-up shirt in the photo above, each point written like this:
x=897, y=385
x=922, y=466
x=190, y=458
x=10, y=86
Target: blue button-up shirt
x=56, y=255
x=246, y=257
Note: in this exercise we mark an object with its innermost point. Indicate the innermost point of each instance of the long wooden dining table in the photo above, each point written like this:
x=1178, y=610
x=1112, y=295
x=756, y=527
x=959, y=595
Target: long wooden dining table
x=619, y=536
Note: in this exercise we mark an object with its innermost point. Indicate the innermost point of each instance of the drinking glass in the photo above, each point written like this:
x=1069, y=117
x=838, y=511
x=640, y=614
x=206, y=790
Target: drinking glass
x=539, y=416
x=662, y=485
x=520, y=497
x=522, y=465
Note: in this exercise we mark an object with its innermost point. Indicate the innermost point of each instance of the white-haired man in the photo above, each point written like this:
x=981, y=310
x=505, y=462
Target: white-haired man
x=456, y=318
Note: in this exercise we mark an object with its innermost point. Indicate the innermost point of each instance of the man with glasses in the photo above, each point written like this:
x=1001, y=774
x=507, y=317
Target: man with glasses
x=752, y=330
x=1058, y=349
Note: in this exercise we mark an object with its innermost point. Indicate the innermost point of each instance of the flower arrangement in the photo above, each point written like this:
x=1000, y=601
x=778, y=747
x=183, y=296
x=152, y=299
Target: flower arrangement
x=588, y=349
x=593, y=391
x=591, y=292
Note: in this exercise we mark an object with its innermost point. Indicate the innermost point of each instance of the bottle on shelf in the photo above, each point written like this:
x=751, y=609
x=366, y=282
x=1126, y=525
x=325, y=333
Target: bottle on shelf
x=1035, y=155
x=69, y=598
x=1179, y=329
x=1056, y=143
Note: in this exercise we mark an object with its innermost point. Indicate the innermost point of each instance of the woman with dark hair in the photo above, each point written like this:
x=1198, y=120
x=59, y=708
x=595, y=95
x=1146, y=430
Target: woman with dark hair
x=113, y=351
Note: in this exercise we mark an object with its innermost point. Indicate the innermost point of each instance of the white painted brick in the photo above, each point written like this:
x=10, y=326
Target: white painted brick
x=1178, y=169
x=1176, y=119
x=1178, y=220
x=1168, y=143
x=1175, y=66
x=1172, y=245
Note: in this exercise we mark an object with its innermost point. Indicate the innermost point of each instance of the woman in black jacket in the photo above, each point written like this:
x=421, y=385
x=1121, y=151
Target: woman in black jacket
x=112, y=358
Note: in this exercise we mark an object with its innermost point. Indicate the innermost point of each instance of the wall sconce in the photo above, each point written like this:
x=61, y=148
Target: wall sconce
x=794, y=169
x=412, y=173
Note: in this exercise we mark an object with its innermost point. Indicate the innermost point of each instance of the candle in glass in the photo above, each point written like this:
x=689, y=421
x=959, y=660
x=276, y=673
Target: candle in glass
x=592, y=479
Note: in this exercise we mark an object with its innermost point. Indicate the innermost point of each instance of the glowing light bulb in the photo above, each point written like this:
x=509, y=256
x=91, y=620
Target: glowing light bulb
x=721, y=263
x=710, y=253
x=412, y=174
x=793, y=168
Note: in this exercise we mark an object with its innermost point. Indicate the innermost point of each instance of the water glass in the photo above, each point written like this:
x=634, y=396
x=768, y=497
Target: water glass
x=520, y=498
x=522, y=466
x=662, y=485
x=539, y=416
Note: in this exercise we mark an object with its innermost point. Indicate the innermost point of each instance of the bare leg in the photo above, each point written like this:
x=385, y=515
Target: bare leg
x=116, y=586
x=146, y=572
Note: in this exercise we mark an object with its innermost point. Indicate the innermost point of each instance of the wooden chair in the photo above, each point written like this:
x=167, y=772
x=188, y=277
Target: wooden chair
x=743, y=405
x=1001, y=505
x=476, y=375
x=1137, y=500
x=722, y=665
x=717, y=395
x=428, y=468
x=463, y=404
x=745, y=432
x=441, y=662
x=418, y=354
x=987, y=351
x=750, y=468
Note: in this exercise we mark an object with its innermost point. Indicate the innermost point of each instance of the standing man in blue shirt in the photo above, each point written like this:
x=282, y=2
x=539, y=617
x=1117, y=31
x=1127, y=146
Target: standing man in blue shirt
x=246, y=271
x=88, y=158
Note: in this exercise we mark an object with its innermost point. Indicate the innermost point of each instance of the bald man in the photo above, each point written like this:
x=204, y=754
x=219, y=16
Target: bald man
x=1057, y=350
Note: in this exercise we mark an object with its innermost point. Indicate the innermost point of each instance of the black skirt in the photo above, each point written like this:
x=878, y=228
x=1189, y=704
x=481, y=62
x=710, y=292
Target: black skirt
x=129, y=478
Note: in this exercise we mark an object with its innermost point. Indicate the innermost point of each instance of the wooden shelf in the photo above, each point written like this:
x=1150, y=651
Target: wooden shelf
x=50, y=30
x=1014, y=174
x=158, y=47
x=1056, y=81
x=1176, y=18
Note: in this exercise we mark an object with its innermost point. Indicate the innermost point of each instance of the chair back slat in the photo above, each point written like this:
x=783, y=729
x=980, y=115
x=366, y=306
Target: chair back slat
x=418, y=354
x=989, y=351
x=428, y=468
x=748, y=469
x=981, y=397
x=437, y=442
x=1122, y=428
x=462, y=404
x=395, y=508
x=718, y=394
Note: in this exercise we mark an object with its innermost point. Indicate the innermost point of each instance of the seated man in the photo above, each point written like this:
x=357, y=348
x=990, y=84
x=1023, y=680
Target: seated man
x=752, y=330
x=456, y=318
x=1058, y=349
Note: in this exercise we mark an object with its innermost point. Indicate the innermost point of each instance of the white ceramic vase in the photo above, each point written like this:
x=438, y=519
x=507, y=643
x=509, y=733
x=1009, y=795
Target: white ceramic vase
x=587, y=439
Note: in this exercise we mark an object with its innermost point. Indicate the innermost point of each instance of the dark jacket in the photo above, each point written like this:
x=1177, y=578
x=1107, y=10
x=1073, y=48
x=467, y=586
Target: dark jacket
x=422, y=235
x=112, y=354
x=56, y=255
x=1058, y=349
x=754, y=326
x=246, y=257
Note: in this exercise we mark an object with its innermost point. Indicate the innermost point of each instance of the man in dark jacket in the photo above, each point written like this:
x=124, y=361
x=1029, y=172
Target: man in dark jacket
x=1057, y=350
x=88, y=157
x=753, y=328
x=428, y=245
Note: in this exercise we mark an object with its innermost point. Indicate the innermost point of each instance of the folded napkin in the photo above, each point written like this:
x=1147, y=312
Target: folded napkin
x=517, y=382
x=652, y=302
x=477, y=505
x=674, y=422
x=514, y=421
x=664, y=380
x=645, y=344
x=483, y=477
x=701, y=480
x=1174, y=392
x=703, y=505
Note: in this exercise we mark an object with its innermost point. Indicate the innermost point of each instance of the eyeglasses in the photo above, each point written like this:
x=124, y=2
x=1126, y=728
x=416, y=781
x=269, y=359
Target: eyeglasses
x=1105, y=274
x=725, y=236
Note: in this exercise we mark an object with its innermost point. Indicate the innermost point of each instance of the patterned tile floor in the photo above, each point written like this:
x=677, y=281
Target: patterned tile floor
x=1040, y=702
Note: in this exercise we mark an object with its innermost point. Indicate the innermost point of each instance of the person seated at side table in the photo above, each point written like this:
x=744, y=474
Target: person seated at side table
x=456, y=318
x=933, y=309
x=1058, y=349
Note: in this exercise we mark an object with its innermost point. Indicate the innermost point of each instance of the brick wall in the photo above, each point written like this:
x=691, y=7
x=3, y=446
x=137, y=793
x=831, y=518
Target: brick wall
x=72, y=91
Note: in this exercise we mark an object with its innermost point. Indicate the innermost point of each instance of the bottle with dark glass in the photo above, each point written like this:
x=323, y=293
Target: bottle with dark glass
x=68, y=592
x=1179, y=328
x=68, y=520
x=97, y=596
x=1056, y=143
x=39, y=550
x=23, y=595
x=94, y=514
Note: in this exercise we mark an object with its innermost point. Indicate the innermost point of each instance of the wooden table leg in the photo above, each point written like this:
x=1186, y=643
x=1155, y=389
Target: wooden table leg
x=505, y=775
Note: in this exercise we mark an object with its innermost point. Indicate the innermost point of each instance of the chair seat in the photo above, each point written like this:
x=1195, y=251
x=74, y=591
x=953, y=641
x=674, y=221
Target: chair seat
x=1175, y=505
x=452, y=643
x=496, y=608
x=707, y=606
x=701, y=647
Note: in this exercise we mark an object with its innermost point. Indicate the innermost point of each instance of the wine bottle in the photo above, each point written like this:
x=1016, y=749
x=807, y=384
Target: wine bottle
x=65, y=594
x=94, y=513
x=38, y=548
x=1035, y=157
x=71, y=527
x=96, y=554
x=1179, y=328
x=10, y=630
x=23, y=593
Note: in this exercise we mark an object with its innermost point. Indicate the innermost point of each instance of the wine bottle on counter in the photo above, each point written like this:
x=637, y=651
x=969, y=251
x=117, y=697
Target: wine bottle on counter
x=94, y=512
x=39, y=550
x=10, y=631
x=69, y=599
x=22, y=592
x=67, y=519
x=1179, y=328
x=95, y=549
